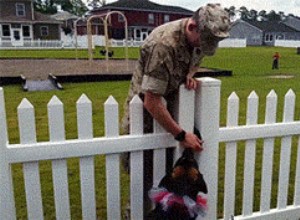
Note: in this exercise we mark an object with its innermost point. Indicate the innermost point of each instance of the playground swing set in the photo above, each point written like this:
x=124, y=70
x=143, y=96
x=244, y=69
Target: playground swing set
x=104, y=18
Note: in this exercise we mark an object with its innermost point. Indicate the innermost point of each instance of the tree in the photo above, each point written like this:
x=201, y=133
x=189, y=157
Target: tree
x=231, y=11
x=262, y=16
x=245, y=14
x=236, y=14
x=272, y=16
x=96, y=3
x=76, y=7
x=45, y=6
x=253, y=15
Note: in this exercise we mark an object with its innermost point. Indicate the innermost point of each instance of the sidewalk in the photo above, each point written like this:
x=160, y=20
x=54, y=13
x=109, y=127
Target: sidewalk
x=41, y=68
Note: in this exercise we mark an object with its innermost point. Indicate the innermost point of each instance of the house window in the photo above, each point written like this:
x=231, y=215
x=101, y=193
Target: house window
x=269, y=38
x=166, y=18
x=5, y=30
x=138, y=33
x=44, y=31
x=26, y=31
x=151, y=18
x=20, y=9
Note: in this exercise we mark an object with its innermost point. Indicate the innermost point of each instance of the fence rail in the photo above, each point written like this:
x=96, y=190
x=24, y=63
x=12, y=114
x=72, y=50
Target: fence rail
x=68, y=41
x=24, y=44
x=200, y=108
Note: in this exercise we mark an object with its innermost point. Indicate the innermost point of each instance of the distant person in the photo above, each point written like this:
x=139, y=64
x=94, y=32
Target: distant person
x=276, y=58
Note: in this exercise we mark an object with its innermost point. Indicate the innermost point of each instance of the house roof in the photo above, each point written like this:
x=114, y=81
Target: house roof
x=63, y=16
x=144, y=5
x=38, y=18
x=240, y=21
x=272, y=26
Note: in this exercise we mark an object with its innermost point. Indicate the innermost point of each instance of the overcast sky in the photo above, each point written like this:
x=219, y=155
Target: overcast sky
x=287, y=6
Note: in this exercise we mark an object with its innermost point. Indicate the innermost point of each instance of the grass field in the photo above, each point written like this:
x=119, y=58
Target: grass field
x=119, y=52
x=251, y=68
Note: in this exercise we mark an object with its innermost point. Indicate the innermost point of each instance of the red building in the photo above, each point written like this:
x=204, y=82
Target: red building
x=142, y=17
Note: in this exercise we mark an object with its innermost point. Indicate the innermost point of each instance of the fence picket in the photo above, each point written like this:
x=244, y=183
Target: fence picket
x=7, y=203
x=186, y=107
x=136, y=161
x=230, y=158
x=297, y=178
x=87, y=169
x=112, y=161
x=59, y=166
x=249, y=161
x=31, y=170
x=159, y=157
x=268, y=152
x=285, y=154
x=207, y=113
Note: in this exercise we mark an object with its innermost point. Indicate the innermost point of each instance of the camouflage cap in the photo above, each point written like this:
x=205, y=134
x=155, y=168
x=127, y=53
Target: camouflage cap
x=214, y=18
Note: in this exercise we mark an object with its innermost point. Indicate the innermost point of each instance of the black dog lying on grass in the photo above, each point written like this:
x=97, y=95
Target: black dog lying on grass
x=181, y=194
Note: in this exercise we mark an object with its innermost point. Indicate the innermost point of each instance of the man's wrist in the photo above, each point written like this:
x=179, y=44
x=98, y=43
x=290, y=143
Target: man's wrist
x=180, y=136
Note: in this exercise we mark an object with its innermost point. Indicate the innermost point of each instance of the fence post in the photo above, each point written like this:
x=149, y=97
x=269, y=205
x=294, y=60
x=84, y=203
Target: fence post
x=207, y=114
x=184, y=114
x=7, y=204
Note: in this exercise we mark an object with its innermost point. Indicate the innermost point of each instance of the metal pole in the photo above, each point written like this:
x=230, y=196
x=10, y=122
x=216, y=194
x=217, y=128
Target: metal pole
x=106, y=40
x=126, y=43
x=90, y=39
x=76, y=42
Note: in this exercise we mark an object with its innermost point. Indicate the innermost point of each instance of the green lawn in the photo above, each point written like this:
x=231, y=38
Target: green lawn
x=251, y=68
x=67, y=53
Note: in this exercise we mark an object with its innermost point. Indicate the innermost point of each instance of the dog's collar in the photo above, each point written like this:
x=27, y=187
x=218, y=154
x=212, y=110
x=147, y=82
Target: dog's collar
x=166, y=199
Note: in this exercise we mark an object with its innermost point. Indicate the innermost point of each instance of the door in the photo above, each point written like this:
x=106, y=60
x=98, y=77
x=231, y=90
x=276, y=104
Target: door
x=17, y=39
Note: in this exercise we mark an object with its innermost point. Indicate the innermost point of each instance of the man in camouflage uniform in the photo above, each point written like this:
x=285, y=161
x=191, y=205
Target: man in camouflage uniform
x=169, y=57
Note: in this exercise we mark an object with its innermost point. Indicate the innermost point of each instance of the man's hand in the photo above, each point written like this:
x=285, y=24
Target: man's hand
x=158, y=110
x=192, y=141
x=191, y=83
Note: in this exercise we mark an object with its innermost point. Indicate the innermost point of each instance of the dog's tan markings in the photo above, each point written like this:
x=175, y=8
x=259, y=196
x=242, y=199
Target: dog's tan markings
x=178, y=172
x=193, y=174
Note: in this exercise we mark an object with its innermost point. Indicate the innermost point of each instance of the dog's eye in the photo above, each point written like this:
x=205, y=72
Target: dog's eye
x=193, y=174
x=178, y=172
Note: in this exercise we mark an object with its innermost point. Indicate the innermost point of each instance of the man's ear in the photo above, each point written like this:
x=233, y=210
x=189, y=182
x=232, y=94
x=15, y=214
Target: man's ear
x=192, y=26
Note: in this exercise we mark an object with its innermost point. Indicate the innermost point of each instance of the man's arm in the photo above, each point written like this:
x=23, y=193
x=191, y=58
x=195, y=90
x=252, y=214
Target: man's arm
x=191, y=83
x=153, y=103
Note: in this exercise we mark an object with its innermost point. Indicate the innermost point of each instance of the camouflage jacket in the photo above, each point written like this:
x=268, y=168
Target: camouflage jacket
x=165, y=60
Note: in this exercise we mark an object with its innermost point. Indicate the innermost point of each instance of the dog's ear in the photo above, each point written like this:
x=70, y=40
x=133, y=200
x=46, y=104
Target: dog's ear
x=202, y=184
x=197, y=133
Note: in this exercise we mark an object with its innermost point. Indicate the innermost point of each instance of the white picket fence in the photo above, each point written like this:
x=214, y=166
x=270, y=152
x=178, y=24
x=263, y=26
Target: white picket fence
x=68, y=41
x=229, y=42
x=32, y=44
x=287, y=43
x=200, y=108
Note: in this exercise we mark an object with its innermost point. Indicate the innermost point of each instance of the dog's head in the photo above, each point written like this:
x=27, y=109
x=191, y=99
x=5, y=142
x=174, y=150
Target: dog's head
x=185, y=178
x=180, y=194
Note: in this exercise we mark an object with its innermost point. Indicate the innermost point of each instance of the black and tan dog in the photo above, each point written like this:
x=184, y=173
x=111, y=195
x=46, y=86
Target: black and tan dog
x=181, y=194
